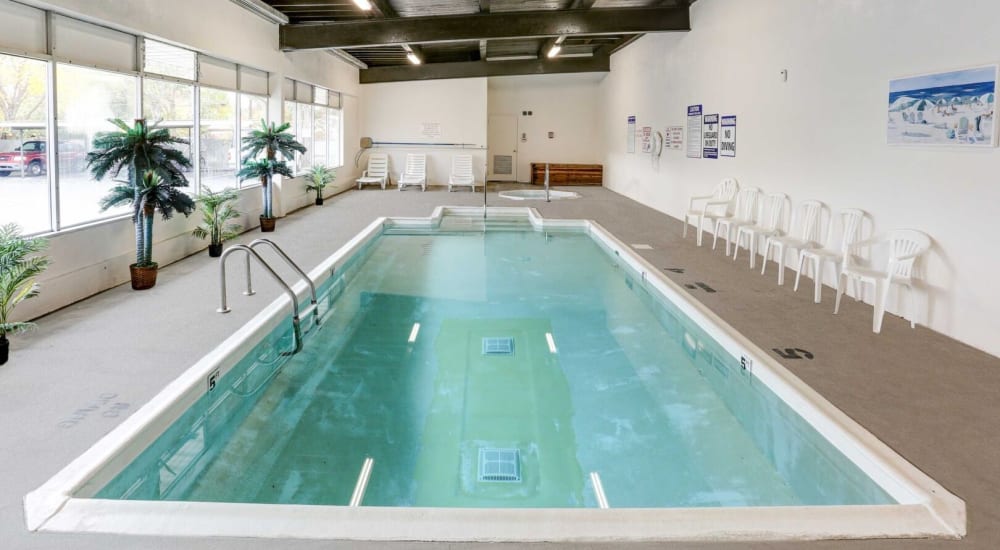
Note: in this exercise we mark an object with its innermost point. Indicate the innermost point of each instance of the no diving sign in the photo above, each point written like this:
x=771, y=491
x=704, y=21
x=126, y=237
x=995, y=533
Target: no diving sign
x=727, y=139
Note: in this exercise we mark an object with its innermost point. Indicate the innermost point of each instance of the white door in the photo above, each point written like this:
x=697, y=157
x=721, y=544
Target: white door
x=502, y=147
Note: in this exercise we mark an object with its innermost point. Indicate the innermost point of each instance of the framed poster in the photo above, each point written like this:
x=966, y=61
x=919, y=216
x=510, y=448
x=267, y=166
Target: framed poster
x=711, y=136
x=694, y=132
x=630, y=135
x=956, y=108
x=727, y=139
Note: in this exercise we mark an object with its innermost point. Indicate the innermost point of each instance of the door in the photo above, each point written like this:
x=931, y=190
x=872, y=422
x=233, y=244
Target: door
x=502, y=147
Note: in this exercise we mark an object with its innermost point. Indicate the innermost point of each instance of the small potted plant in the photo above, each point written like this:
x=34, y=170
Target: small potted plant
x=271, y=139
x=320, y=176
x=19, y=267
x=154, y=166
x=216, y=212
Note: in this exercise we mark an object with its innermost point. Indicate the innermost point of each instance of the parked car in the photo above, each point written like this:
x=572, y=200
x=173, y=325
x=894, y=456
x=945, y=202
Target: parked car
x=32, y=158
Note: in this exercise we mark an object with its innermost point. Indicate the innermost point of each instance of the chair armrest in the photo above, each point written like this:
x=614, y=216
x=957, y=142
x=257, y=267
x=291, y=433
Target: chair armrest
x=697, y=198
x=864, y=243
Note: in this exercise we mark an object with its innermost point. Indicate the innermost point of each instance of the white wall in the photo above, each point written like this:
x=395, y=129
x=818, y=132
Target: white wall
x=396, y=111
x=566, y=104
x=90, y=259
x=821, y=135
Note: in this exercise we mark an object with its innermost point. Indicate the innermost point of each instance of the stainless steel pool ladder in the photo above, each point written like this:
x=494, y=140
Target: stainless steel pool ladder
x=249, y=249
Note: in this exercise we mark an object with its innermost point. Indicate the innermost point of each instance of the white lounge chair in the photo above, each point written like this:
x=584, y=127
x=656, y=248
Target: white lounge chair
x=415, y=172
x=461, y=172
x=377, y=172
x=905, y=246
x=715, y=206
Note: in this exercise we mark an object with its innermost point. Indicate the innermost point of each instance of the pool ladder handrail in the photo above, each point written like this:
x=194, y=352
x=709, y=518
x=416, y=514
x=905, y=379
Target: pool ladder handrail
x=249, y=249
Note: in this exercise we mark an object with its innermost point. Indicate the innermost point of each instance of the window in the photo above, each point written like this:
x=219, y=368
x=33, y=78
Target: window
x=253, y=109
x=219, y=152
x=170, y=105
x=316, y=126
x=168, y=60
x=24, y=193
x=304, y=125
x=321, y=122
x=85, y=100
x=335, y=155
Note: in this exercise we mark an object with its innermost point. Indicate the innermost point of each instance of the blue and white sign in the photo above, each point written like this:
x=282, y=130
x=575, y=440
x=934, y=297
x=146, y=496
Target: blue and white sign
x=727, y=140
x=694, y=132
x=711, y=136
x=630, y=135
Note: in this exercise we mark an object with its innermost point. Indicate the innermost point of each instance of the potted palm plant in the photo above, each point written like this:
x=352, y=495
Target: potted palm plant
x=18, y=270
x=216, y=212
x=154, y=166
x=264, y=169
x=271, y=139
x=319, y=177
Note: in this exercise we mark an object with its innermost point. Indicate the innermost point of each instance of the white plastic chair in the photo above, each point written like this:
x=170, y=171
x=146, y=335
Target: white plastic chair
x=461, y=172
x=745, y=214
x=415, y=172
x=715, y=206
x=805, y=233
x=377, y=172
x=851, y=221
x=905, y=246
x=769, y=224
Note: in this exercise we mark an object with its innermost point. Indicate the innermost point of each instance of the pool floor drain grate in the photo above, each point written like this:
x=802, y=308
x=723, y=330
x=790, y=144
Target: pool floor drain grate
x=498, y=464
x=493, y=345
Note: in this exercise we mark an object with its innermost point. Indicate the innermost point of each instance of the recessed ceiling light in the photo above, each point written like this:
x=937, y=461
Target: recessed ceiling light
x=554, y=50
x=413, y=58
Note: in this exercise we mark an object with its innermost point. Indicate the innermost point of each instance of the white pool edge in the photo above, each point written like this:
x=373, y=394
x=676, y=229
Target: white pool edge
x=926, y=509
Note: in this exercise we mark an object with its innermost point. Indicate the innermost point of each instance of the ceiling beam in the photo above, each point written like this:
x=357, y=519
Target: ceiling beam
x=471, y=69
x=480, y=26
x=484, y=6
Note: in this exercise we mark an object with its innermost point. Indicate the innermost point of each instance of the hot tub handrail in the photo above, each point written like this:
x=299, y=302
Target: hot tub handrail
x=224, y=307
x=293, y=265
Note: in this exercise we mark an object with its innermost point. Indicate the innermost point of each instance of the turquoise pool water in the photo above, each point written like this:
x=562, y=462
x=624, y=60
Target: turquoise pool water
x=602, y=376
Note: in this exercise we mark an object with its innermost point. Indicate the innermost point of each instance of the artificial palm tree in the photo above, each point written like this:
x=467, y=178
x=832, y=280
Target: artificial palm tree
x=216, y=211
x=319, y=177
x=154, y=166
x=18, y=272
x=265, y=170
x=271, y=139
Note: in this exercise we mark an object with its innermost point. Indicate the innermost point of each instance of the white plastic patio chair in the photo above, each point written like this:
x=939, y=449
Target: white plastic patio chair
x=806, y=231
x=772, y=211
x=461, y=172
x=714, y=206
x=745, y=214
x=851, y=222
x=377, y=172
x=905, y=246
x=415, y=172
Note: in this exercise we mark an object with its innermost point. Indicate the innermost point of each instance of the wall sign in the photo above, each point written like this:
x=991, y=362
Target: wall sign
x=646, y=138
x=694, y=132
x=674, y=138
x=630, y=135
x=430, y=130
x=727, y=141
x=711, y=136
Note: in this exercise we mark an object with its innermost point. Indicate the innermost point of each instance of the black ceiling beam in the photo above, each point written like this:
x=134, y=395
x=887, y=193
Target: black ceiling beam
x=471, y=69
x=479, y=26
x=484, y=6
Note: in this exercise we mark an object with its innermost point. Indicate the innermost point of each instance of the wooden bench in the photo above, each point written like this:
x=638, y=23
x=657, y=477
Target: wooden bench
x=568, y=174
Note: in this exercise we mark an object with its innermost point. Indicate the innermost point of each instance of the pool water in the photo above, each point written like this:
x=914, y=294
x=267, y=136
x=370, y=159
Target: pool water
x=601, y=376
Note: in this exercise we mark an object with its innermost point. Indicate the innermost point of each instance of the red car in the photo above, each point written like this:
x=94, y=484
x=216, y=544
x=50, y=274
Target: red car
x=31, y=157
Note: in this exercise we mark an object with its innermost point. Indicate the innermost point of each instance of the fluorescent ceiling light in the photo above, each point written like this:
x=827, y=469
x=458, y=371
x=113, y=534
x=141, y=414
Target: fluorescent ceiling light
x=584, y=54
x=511, y=57
x=413, y=333
x=413, y=58
x=554, y=50
x=552, y=343
x=363, y=4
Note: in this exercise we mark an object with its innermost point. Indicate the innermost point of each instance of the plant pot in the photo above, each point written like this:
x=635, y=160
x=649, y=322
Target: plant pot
x=143, y=277
x=267, y=224
x=319, y=201
x=215, y=250
x=4, y=348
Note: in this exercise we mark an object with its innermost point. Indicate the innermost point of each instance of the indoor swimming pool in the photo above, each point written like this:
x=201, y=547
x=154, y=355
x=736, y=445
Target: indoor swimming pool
x=457, y=373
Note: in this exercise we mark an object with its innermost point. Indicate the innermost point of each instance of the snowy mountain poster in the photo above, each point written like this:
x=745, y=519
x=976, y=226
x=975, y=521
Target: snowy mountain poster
x=956, y=108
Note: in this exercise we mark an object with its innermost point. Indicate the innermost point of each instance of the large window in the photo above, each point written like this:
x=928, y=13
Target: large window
x=86, y=99
x=170, y=105
x=219, y=147
x=23, y=161
x=314, y=124
x=253, y=109
x=168, y=60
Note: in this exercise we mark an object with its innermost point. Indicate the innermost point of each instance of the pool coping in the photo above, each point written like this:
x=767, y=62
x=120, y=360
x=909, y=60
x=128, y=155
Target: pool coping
x=926, y=509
